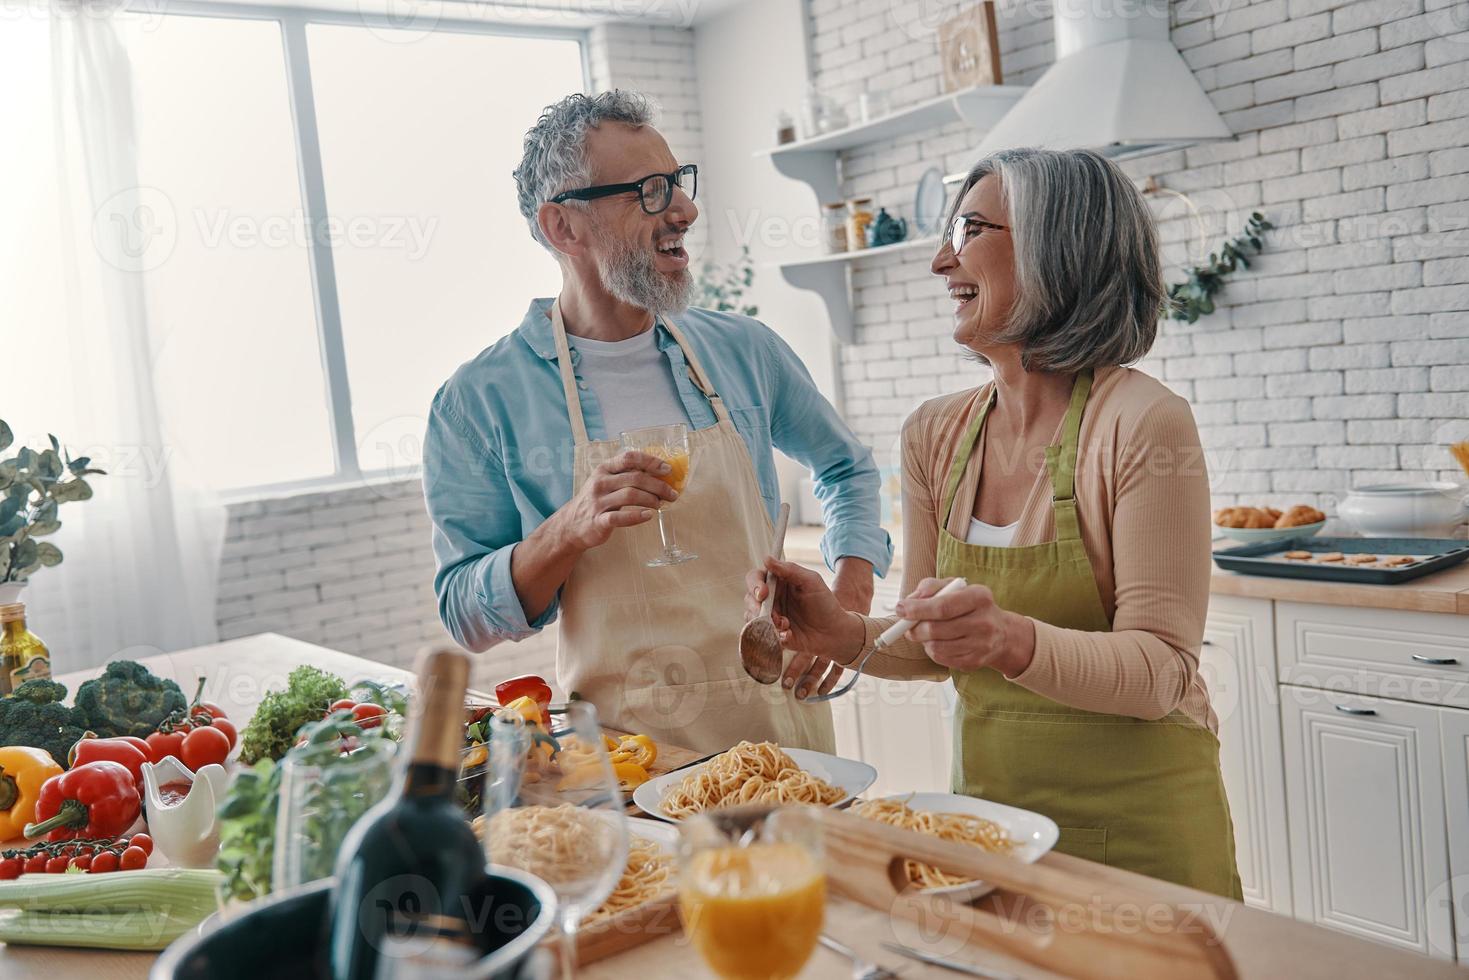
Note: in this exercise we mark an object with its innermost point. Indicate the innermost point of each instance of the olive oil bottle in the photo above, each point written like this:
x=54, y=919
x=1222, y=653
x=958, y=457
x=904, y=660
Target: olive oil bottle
x=23, y=656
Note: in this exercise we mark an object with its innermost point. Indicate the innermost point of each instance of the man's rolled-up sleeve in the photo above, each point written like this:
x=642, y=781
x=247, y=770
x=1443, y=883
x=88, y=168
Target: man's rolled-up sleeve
x=476, y=529
x=806, y=427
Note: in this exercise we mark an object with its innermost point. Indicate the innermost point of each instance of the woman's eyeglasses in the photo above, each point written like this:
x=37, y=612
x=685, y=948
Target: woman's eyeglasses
x=966, y=227
x=655, y=191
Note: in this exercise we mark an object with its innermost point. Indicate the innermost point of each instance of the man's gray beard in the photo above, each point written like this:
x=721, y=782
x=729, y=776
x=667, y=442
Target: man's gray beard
x=629, y=273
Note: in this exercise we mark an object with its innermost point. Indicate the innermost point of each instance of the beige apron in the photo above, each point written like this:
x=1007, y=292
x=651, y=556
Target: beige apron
x=657, y=649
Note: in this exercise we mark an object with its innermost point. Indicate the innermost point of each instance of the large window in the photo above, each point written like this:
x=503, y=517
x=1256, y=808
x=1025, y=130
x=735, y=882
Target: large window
x=327, y=224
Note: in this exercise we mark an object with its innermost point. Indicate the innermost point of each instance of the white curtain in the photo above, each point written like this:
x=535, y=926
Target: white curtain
x=142, y=556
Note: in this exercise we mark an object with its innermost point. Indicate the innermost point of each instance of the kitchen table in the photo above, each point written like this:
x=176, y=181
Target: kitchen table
x=1262, y=944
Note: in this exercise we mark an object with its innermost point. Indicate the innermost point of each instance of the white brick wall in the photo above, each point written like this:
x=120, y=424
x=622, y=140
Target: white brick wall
x=1339, y=358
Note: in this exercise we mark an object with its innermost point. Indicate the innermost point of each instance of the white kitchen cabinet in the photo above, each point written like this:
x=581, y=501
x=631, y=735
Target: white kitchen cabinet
x=1454, y=732
x=1238, y=665
x=1365, y=805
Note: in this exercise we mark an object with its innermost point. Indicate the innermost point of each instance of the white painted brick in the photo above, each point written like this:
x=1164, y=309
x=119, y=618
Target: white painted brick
x=1252, y=69
x=1399, y=115
x=1333, y=49
x=1307, y=433
x=1453, y=377
x=1385, y=173
x=1441, y=272
x=1260, y=117
x=1384, y=64
x=1313, y=133
x=1274, y=410
x=1350, y=255
x=1434, y=136
x=1431, y=299
x=1376, y=406
x=1290, y=33
x=1296, y=334
x=1297, y=83
x=1430, y=352
x=1365, y=201
x=1303, y=385
x=1446, y=50
x=1345, y=151
x=1211, y=366
x=1384, y=328
x=1445, y=405
x=1430, y=81
x=1448, y=325
x=1217, y=52
x=1273, y=361
x=1228, y=388
x=1232, y=436
x=1356, y=457
x=1336, y=102
x=1434, y=190
x=1349, y=356
x=1239, y=18
x=1336, y=307
x=1261, y=167
x=1386, y=431
x=1401, y=275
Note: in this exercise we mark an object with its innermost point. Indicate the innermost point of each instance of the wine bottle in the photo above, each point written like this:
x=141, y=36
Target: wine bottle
x=407, y=868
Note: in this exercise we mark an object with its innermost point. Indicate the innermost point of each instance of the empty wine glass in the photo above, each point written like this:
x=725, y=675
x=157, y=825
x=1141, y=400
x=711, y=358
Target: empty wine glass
x=558, y=816
x=669, y=443
x=321, y=796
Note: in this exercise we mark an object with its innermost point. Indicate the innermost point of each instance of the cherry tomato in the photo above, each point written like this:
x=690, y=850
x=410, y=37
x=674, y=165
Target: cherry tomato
x=161, y=745
x=104, y=862
x=341, y=704
x=143, y=841
x=35, y=864
x=203, y=746
x=369, y=715
x=132, y=859
x=56, y=865
x=207, y=708
x=81, y=851
x=12, y=867
x=84, y=862
x=228, y=727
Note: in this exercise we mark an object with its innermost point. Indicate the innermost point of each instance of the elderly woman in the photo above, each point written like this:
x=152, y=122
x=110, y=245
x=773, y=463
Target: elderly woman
x=1070, y=493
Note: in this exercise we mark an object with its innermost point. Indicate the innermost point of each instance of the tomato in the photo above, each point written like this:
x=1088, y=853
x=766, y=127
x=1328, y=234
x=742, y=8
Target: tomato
x=104, y=862
x=161, y=745
x=84, y=862
x=12, y=867
x=228, y=727
x=369, y=715
x=143, y=841
x=203, y=746
x=81, y=851
x=342, y=704
x=132, y=859
x=56, y=865
x=35, y=864
x=207, y=708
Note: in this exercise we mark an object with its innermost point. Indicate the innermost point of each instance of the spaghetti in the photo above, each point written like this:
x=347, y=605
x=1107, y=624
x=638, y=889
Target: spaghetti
x=961, y=827
x=751, y=772
x=566, y=846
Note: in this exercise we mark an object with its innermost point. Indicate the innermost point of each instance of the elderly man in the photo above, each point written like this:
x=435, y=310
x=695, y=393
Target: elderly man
x=538, y=510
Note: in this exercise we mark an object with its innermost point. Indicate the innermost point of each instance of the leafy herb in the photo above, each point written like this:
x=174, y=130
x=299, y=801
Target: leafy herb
x=1194, y=298
x=272, y=731
x=32, y=486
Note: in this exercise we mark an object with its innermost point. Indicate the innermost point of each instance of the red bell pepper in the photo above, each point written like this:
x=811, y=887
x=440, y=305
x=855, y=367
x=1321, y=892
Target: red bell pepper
x=527, y=686
x=97, y=799
x=124, y=751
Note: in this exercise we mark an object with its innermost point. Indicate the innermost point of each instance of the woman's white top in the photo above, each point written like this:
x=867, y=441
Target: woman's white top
x=990, y=535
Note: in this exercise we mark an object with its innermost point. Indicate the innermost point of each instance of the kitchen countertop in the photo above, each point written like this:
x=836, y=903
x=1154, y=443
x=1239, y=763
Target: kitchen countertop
x=1441, y=592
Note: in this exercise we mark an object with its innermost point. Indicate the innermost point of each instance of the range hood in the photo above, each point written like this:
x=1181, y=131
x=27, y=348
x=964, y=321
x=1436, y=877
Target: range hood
x=1118, y=86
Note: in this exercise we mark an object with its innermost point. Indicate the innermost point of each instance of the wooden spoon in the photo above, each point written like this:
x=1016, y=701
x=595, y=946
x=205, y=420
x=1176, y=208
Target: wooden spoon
x=760, y=649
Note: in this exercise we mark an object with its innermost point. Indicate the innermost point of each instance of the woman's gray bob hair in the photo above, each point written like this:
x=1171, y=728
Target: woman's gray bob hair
x=1089, y=285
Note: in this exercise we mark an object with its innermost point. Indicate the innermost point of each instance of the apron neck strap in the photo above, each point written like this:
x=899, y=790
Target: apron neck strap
x=568, y=376
x=697, y=373
x=1060, y=460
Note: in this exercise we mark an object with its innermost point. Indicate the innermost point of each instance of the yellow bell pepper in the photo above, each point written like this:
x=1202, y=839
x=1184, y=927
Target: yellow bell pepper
x=629, y=776
x=22, y=771
x=529, y=713
x=636, y=748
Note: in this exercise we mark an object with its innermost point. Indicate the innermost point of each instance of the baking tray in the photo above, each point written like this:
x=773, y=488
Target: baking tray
x=1434, y=554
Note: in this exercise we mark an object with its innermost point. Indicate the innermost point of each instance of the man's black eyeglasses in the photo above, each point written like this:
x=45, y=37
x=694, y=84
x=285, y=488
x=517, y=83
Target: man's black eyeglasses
x=655, y=191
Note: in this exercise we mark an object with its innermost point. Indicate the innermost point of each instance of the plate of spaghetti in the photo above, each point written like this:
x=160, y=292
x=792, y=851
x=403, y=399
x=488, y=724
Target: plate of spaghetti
x=559, y=843
x=755, y=772
x=999, y=829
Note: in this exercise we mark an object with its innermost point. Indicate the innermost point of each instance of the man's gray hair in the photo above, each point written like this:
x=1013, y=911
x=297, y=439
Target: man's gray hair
x=555, y=156
x=1089, y=284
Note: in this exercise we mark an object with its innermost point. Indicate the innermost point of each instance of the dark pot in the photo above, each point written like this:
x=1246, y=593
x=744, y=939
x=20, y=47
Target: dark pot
x=279, y=937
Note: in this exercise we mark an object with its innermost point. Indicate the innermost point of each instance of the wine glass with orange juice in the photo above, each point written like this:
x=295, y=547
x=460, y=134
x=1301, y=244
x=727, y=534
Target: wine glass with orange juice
x=752, y=890
x=669, y=443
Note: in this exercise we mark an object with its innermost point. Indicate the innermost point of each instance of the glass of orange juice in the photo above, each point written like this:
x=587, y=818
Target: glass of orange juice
x=752, y=889
x=669, y=443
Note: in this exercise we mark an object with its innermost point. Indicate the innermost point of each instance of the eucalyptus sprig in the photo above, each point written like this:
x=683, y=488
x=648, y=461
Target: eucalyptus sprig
x=1194, y=297
x=721, y=288
x=32, y=486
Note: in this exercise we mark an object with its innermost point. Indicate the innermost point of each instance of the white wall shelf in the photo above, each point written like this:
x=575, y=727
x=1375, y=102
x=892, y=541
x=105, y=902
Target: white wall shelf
x=814, y=162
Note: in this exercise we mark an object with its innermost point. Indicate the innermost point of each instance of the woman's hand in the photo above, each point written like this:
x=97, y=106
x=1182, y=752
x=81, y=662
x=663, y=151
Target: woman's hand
x=810, y=621
x=965, y=630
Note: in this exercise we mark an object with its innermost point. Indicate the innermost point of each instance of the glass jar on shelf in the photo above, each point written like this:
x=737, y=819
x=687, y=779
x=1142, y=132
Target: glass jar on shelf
x=859, y=216
x=834, y=227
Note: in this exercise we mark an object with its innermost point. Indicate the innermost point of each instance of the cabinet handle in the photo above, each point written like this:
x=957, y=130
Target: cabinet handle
x=1344, y=709
x=1208, y=643
x=1436, y=661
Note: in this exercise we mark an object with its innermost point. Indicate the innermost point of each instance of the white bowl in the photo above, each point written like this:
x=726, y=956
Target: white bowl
x=1260, y=535
x=848, y=775
x=1406, y=510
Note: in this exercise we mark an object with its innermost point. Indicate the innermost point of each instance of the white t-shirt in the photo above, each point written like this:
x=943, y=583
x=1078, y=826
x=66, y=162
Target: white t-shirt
x=990, y=535
x=632, y=381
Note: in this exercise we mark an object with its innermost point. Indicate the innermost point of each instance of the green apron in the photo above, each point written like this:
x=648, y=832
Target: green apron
x=1146, y=796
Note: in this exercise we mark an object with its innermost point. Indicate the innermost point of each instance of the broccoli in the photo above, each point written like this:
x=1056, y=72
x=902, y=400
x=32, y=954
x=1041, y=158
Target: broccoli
x=127, y=699
x=34, y=715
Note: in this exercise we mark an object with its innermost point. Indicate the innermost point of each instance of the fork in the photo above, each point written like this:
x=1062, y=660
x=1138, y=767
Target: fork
x=861, y=969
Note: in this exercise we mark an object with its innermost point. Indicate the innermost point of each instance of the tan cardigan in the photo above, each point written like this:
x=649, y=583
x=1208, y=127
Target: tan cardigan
x=1142, y=494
